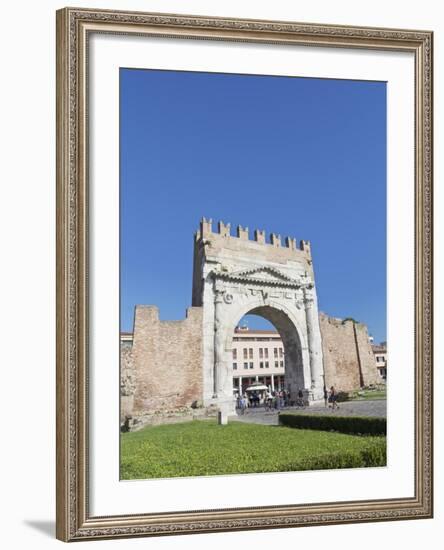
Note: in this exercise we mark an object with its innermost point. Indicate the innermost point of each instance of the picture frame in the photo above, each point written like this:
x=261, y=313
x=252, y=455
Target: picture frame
x=75, y=28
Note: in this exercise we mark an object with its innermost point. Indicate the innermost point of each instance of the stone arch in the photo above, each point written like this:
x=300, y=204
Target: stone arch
x=293, y=339
x=233, y=276
x=286, y=315
x=270, y=306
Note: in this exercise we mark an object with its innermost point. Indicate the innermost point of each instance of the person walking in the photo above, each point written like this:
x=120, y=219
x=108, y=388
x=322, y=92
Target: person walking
x=240, y=404
x=300, y=401
x=334, y=398
x=244, y=403
x=268, y=400
x=325, y=397
x=275, y=400
x=286, y=398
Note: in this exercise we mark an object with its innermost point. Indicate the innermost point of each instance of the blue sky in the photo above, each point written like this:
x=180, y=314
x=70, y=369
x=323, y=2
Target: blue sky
x=295, y=156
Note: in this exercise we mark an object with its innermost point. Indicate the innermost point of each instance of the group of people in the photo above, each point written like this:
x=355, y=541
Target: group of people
x=271, y=400
x=275, y=400
x=331, y=398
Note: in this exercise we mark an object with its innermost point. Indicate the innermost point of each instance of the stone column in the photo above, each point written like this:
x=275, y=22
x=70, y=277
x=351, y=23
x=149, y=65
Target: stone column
x=219, y=365
x=314, y=344
x=223, y=390
x=272, y=382
x=239, y=385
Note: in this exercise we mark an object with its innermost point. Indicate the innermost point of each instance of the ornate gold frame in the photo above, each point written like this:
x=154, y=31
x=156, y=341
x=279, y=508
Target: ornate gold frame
x=73, y=519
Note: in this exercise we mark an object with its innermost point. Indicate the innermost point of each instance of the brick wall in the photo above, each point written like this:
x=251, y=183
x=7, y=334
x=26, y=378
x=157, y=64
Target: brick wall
x=162, y=370
x=366, y=356
x=348, y=356
x=127, y=381
x=167, y=357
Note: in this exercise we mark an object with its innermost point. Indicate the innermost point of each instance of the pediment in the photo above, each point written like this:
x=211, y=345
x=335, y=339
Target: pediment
x=262, y=274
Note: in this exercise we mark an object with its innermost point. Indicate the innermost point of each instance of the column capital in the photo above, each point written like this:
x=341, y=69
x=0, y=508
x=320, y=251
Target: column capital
x=309, y=297
x=218, y=296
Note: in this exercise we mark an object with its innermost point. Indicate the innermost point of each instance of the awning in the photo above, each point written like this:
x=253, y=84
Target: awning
x=258, y=387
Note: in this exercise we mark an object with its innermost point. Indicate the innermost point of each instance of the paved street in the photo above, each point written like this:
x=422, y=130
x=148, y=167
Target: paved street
x=376, y=407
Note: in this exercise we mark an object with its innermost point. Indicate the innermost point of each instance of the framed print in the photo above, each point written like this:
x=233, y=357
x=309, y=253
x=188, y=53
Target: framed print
x=212, y=378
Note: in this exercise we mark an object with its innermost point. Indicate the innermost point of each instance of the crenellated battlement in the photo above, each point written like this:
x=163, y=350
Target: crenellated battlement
x=205, y=231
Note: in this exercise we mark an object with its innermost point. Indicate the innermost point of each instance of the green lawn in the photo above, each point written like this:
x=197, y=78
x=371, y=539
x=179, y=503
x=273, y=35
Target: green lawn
x=202, y=447
x=370, y=394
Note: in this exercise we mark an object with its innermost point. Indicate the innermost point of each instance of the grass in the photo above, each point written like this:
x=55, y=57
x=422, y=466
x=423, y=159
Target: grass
x=202, y=448
x=366, y=395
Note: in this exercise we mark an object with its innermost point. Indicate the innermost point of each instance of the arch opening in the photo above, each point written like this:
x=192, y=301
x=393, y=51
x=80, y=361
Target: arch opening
x=270, y=357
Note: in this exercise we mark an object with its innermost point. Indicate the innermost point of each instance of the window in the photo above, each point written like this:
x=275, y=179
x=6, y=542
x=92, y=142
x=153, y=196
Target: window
x=245, y=365
x=266, y=353
x=282, y=364
x=275, y=352
x=235, y=354
x=245, y=353
x=234, y=366
x=251, y=353
x=251, y=365
x=281, y=352
x=261, y=365
x=276, y=364
x=266, y=364
x=261, y=353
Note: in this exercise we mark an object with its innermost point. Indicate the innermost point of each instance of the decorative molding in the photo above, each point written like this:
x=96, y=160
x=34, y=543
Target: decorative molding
x=220, y=23
x=274, y=278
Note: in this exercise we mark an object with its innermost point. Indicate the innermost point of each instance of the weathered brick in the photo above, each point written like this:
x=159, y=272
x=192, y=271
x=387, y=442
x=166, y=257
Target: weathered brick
x=347, y=353
x=167, y=357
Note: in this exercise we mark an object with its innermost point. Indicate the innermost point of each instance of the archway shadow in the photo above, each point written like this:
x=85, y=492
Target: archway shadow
x=47, y=527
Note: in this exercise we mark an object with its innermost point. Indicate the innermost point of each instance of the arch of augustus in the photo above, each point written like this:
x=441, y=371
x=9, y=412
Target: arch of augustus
x=234, y=276
x=180, y=365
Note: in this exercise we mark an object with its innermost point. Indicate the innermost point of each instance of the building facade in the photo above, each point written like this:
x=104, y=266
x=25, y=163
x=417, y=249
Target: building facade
x=258, y=356
x=380, y=353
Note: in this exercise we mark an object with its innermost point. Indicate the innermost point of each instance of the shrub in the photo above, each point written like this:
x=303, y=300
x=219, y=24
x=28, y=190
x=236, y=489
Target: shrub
x=342, y=396
x=373, y=455
x=350, y=319
x=346, y=424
